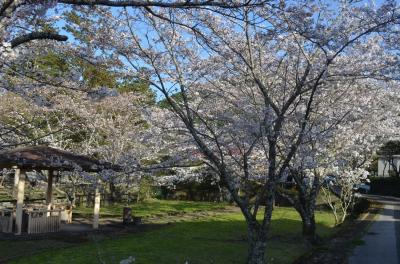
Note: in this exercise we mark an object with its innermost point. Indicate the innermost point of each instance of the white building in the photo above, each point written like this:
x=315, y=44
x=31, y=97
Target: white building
x=385, y=165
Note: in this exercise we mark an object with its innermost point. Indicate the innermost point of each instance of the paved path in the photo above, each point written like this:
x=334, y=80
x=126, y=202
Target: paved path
x=382, y=242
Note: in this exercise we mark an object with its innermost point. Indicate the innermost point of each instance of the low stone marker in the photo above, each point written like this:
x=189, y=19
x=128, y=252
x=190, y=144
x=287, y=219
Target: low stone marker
x=127, y=215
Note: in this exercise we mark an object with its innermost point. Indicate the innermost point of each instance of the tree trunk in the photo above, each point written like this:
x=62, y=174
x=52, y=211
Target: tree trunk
x=344, y=215
x=73, y=196
x=220, y=194
x=257, y=246
x=305, y=206
x=309, y=228
x=138, y=193
x=112, y=192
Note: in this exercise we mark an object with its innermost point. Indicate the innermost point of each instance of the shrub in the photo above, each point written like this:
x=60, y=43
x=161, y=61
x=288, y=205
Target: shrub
x=146, y=190
x=360, y=206
x=386, y=186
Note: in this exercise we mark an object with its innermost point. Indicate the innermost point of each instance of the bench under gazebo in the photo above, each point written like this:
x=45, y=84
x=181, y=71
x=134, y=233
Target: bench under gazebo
x=43, y=158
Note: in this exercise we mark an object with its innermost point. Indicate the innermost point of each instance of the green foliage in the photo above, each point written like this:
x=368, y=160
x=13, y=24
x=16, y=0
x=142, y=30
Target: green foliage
x=5, y=194
x=52, y=64
x=390, y=148
x=206, y=190
x=96, y=76
x=146, y=189
x=45, y=26
x=139, y=87
x=44, y=67
x=164, y=103
x=75, y=24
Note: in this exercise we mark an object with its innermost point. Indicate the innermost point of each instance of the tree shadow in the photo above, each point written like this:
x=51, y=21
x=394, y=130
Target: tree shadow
x=219, y=239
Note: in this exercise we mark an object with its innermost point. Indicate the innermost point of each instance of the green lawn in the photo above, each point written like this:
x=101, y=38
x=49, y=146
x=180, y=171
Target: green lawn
x=219, y=238
x=152, y=208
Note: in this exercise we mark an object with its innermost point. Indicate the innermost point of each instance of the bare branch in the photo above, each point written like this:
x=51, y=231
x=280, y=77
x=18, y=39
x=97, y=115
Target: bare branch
x=174, y=4
x=36, y=35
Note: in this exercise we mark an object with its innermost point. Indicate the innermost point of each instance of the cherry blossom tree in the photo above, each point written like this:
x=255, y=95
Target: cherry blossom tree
x=356, y=141
x=343, y=136
x=249, y=85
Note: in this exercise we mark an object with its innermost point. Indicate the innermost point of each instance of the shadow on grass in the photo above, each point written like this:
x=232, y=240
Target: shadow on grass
x=220, y=239
x=153, y=207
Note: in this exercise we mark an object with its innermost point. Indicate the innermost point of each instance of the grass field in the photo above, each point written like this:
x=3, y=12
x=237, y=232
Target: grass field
x=152, y=208
x=217, y=238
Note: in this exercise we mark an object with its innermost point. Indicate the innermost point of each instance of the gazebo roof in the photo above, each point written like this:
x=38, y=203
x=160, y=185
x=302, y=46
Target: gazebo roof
x=47, y=158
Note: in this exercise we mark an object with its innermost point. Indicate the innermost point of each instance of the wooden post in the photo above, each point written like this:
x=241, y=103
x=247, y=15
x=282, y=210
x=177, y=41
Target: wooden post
x=16, y=180
x=96, y=207
x=20, y=202
x=49, y=192
x=29, y=223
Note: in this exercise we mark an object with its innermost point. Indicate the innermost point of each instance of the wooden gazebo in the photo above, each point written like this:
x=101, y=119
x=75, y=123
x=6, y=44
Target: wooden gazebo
x=51, y=160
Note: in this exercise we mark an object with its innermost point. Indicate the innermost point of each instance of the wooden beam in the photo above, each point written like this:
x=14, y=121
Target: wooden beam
x=96, y=208
x=20, y=202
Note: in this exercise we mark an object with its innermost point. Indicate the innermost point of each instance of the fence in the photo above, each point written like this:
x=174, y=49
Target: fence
x=6, y=220
x=43, y=221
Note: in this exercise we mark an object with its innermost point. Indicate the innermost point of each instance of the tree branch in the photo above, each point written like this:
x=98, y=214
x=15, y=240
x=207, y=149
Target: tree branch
x=36, y=35
x=174, y=4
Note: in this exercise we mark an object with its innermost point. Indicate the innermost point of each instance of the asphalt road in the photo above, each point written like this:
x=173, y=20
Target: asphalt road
x=382, y=241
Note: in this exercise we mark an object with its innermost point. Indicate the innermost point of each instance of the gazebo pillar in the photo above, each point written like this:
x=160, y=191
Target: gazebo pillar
x=16, y=180
x=96, y=207
x=20, y=202
x=49, y=191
